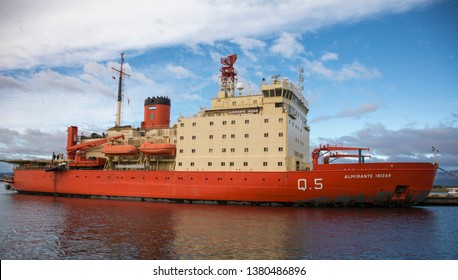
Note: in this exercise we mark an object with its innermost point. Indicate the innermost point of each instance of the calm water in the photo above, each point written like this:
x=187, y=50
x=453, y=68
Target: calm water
x=39, y=227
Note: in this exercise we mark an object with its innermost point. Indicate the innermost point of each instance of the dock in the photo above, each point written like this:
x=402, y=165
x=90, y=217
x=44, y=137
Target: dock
x=445, y=197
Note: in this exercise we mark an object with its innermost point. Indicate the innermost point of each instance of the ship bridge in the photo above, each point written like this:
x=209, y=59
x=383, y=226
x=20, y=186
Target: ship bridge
x=285, y=89
x=286, y=95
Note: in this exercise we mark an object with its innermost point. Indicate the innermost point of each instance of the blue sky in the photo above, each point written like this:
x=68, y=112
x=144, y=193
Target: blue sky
x=381, y=74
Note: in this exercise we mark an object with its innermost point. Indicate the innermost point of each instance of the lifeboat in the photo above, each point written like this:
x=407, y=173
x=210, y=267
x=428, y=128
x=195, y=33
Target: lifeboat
x=153, y=149
x=119, y=150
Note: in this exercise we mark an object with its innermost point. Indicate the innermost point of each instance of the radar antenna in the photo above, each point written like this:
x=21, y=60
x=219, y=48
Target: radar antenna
x=228, y=74
x=120, y=91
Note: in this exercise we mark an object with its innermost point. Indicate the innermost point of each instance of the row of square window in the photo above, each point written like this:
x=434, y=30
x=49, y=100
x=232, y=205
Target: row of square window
x=224, y=136
x=248, y=121
x=280, y=134
x=246, y=150
x=265, y=163
x=280, y=120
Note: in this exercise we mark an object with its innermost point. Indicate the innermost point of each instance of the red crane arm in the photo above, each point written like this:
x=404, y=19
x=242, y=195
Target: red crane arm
x=90, y=144
x=317, y=152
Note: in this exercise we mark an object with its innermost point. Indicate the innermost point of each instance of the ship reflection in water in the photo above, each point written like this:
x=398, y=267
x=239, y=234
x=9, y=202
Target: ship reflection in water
x=39, y=227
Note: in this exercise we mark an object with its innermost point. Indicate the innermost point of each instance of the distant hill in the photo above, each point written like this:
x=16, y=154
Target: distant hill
x=5, y=173
x=444, y=179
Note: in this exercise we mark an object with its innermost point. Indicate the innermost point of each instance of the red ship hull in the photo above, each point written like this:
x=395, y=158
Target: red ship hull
x=383, y=184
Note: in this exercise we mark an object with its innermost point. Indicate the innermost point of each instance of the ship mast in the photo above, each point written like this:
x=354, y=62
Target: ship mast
x=300, y=79
x=120, y=88
x=300, y=87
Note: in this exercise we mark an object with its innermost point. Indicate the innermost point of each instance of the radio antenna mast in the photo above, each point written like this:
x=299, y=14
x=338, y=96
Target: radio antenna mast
x=300, y=79
x=120, y=89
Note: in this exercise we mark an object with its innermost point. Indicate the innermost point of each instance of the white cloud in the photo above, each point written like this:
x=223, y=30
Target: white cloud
x=100, y=71
x=190, y=96
x=9, y=83
x=31, y=143
x=92, y=80
x=357, y=71
x=247, y=45
x=348, y=71
x=62, y=33
x=330, y=56
x=85, y=97
x=51, y=81
x=179, y=71
x=287, y=45
x=350, y=113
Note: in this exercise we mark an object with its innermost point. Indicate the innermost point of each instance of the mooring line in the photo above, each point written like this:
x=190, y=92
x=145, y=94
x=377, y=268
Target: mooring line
x=448, y=173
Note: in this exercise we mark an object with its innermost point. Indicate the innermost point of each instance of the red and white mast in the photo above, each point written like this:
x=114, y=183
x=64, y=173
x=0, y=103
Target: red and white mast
x=228, y=74
x=120, y=88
